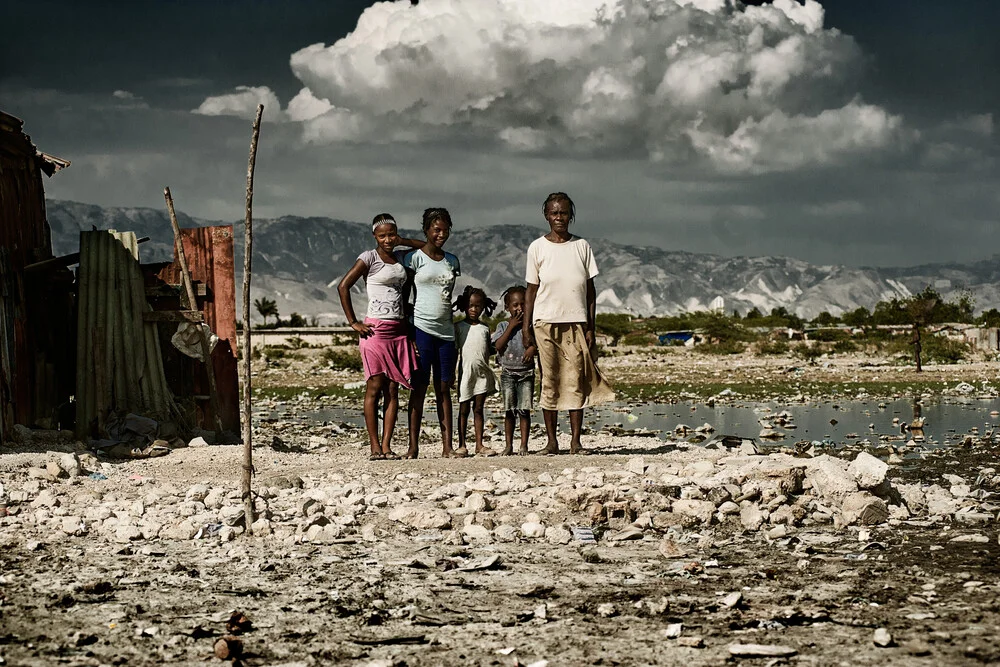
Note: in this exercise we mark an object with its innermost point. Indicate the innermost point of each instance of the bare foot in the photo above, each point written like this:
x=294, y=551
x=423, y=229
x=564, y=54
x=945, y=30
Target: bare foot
x=523, y=451
x=551, y=448
x=508, y=451
x=485, y=451
x=411, y=453
x=578, y=450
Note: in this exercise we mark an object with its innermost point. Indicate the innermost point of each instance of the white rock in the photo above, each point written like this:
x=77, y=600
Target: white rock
x=673, y=630
x=232, y=515
x=185, y=530
x=73, y=525
x=215, y=499
x=532, y=529
x=882, y=638
x=636, y=465
x=198, y=442
x=70, y=464
x=703, y=510
x=424, y=518
x=752, y=517
x=830, y=478
x=864, y=508
x=558, y=535
x=606, y=610
x=506, y=533
x=477, y=533
x=47, y=498
x=197, y=492
x=477, y=502
x=128, y=533
x=868, y=471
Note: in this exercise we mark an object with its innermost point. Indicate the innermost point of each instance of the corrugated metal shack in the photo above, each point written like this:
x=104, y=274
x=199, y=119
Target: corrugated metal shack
x=96, y=336
x=209, y=254
x=36, y=332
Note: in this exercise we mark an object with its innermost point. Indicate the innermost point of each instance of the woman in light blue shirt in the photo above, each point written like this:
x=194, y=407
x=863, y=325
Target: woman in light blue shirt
x=432, y=272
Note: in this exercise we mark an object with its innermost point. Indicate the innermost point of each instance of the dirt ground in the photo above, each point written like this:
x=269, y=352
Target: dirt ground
x=126, y=588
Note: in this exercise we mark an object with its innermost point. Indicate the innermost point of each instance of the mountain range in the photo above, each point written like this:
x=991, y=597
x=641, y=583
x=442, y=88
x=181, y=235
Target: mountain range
x=298, y=262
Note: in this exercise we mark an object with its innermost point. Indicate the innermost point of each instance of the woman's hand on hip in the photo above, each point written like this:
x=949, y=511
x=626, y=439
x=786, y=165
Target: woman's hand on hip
x=363, y=329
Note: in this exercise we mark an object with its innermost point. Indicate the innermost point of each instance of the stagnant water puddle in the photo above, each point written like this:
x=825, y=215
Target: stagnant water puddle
x=832, y=422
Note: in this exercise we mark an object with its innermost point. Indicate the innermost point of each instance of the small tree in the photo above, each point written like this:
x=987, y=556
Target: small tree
x=825, y=319
x=266, y=307
x=920, y=310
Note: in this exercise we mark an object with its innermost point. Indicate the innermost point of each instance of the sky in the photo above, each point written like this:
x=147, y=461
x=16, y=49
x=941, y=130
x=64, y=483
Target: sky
x=851, y=132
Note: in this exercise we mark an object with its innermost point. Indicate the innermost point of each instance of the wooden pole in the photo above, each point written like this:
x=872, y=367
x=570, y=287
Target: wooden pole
x=206, y=350
x=248, y=471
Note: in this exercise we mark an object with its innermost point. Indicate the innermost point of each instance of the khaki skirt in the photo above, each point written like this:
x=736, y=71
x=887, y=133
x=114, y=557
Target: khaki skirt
x=570, y=378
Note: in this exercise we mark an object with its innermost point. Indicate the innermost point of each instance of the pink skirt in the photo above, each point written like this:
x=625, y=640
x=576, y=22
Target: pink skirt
x=388, y=351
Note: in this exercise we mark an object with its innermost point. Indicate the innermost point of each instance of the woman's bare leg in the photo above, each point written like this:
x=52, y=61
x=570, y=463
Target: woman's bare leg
x=389, y=415
x=416, y=415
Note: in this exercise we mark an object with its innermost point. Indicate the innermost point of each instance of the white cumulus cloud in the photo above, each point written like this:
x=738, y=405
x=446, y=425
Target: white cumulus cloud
x=681, y=82
x=743, y=89
x=242, y=102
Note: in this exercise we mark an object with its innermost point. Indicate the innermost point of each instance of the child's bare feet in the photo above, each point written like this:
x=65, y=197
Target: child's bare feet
x=459, y=453
x=507, y=451
x=577, y=448
x=523, y=451
x=485, y=451
x=411, y=453
x=551, y=448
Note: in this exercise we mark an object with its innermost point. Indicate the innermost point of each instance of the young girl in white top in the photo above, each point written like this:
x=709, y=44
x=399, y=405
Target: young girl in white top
x=475, y=377
x=387, y=353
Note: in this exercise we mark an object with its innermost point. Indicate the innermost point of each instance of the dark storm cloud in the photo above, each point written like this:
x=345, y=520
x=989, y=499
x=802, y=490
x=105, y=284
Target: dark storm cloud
x=901, y=169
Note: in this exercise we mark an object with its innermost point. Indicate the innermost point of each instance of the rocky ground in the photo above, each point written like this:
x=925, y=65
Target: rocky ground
x=648, y=552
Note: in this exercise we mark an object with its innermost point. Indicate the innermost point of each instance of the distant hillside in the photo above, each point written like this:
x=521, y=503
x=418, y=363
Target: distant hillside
x=299, y=261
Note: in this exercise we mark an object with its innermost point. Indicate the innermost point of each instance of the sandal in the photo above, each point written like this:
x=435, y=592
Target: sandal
x=486, y=451
x=390, y=456
x=376, y=456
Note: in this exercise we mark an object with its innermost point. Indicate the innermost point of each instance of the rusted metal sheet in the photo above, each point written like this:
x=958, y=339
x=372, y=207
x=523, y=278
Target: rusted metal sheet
x=209, y=254
x=37, y=368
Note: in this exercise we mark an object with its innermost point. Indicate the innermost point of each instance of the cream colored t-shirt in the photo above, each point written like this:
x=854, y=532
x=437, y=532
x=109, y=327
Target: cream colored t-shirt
x=561, y=271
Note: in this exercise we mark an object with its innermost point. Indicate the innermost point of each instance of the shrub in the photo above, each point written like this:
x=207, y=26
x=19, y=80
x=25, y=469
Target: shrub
x=942, y=350
x=829, y=335
x=342, y=360
x=845, y=346
x=808, y=353
x=777, y=346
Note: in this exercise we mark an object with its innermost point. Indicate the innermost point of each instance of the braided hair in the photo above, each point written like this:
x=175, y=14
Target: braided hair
x=560, y=196
x=462, y=302
x=433, y=214
x=513, y=289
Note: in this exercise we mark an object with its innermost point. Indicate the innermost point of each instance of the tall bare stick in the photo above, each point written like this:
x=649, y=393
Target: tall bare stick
x=206, y=350
x=248, y=471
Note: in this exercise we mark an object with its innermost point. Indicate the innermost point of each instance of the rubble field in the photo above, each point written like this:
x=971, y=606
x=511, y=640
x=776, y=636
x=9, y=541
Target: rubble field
x=647, y=552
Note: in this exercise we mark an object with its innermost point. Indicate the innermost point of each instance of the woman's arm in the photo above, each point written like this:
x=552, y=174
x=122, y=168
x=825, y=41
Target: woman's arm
x=410, y=243
x=344, y=290
x=591, y=312
x=527, y=329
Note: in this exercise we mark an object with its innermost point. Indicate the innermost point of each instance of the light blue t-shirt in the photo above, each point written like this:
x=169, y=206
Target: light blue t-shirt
x=434, y=283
